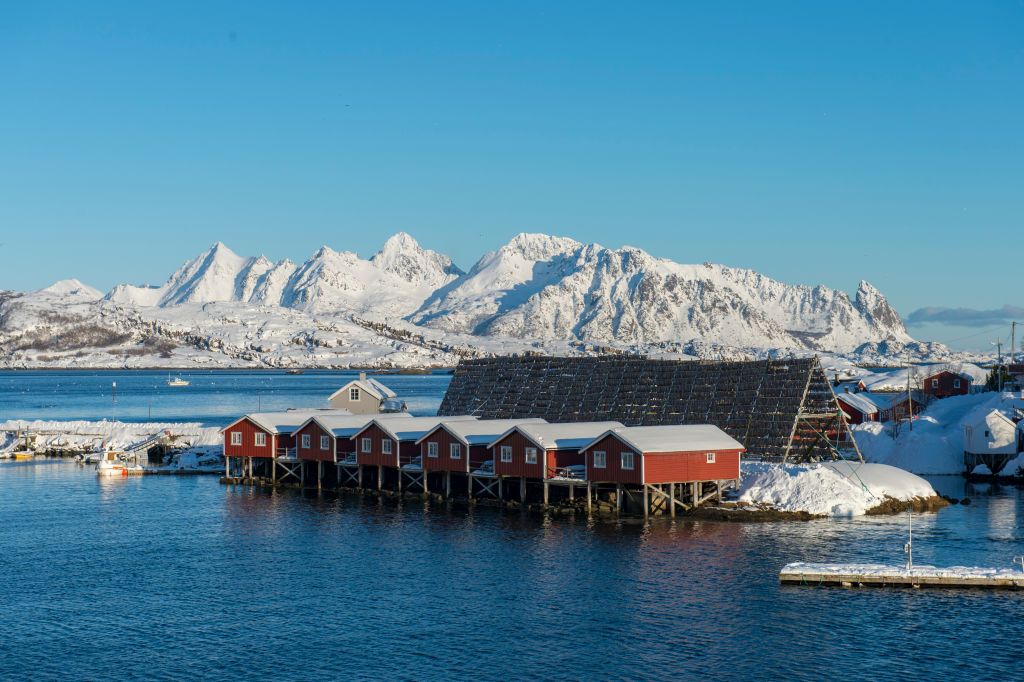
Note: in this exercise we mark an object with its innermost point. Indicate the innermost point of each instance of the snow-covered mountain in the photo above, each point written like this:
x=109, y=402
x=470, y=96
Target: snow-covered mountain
x=538, y=286
x=408, y=305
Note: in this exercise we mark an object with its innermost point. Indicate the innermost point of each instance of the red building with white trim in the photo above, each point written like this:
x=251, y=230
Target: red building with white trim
x=462, y=446
x=542, y=450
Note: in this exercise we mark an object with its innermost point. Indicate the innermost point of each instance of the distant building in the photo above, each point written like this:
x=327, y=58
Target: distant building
x=857, y=407
x=946, y=383
x=991, y=440
x=366, y=396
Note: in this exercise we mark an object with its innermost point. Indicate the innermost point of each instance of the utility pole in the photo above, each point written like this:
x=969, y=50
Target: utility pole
x=910, y=398
x=1013, y=346
x=999, y=365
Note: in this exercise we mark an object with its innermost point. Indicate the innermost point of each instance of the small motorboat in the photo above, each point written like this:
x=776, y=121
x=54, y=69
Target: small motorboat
x=112, y=463
x=24, y=455
x=295, y=371
x=177, y=381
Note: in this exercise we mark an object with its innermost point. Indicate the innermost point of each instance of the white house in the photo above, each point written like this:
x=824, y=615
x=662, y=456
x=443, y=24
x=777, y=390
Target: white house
x=365, y=396
x=991, y=440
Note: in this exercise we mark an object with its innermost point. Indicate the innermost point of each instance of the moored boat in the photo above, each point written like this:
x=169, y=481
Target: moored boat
x=112, y=464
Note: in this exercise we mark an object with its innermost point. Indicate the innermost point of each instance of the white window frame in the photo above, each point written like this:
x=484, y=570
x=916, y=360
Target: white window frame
x=432, y=449
x=623, y=456
x=306, y=441
x=385, y=446
x=236, y=437
x=325, y=443
x=354, y=394
x=455, y=450
x=600, y=459
x=956, y=383
x=506, y=453
x=710, y=458
x=530, y=456
x=367, y=444
x=935, y=383
x=260, y=439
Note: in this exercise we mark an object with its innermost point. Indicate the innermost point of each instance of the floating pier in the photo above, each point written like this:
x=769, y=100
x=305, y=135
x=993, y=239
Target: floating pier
x=880, y=575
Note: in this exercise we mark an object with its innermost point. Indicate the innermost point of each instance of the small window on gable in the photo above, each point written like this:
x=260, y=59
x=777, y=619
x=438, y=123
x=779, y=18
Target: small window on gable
x=987, y=434
x=711, y=458
x=506, y=453
x=236, y=437
x=353, y=394
x=432, y=449
x=325, y=443
x=627, y=460
x=385, y=446
x=956, y=383
x=935, y=383
x=600, y=459
x=531, y=455
x=367, y=445
x=260, y=440
x=305, y=440
x=455, y=450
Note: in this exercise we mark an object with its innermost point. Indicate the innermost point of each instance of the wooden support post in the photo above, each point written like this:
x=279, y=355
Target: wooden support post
x=546, y=492
x=302, y=474
x=227, y=467
x=501, y=495
x=319, y=474
x=399, y=479
x=590, y=499
x=646, y=501
x=470, y=488
x=522, y=490
x=618, y=498
x=572, y=492
x=380, y=476
x=693, y=495
x=672, y=499
x=273, y=470
x=447, y=484
x=359, y=475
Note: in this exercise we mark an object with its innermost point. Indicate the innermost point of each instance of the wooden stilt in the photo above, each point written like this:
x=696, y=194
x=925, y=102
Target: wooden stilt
x=227, y=467
x=380, y=476
x=399, y=480
x=647, y=506
x=618, y=498
x=572, y=492
x=545, y=492
x=501, y=493
x=590, y=499
x=522, y=490
x=470, y=488
x=302, y=474
x=319, y=475
x=447, y=484
x=672, y=499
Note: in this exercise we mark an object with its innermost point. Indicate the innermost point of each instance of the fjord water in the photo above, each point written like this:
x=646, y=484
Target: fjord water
x=169, y=578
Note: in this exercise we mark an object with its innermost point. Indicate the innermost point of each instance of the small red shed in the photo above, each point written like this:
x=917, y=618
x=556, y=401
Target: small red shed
x=328, y=438
x=858, y=407
x=663, y=454
x=392, y=442
x=946, y=383
x=545, y=450
x=266, y=434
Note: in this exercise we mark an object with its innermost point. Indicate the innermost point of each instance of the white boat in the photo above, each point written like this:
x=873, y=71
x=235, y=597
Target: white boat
x=177, y=381
x=112, y=464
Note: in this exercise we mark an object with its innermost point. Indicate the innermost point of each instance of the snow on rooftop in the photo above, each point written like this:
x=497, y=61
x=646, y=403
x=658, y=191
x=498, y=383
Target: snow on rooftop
x=858, y=401
x=402, y=427
x=483, y=431
x=287, y=421
x=569, y=436
x=370, y=385
x=348, y=424
x=676, y=438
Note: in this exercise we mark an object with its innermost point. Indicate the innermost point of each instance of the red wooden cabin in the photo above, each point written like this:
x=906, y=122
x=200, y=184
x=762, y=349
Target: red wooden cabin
x=392, y=442
x=858, y=407
x=945, y=383
x=266, y=434
x=663, y=454
x=329, y=438
x=462, y=446
x=544, y=450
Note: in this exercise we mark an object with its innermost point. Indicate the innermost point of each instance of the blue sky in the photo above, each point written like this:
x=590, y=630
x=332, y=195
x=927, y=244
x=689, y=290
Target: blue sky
x=815, y=142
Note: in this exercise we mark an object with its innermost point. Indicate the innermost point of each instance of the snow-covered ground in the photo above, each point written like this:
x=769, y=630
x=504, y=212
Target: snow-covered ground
x=936, y=443
x=830, y=489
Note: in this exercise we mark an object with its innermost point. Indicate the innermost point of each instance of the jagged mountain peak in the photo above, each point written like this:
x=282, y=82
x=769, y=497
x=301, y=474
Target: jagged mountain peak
x=402, y=255
x=72, y=287
x=537, y=246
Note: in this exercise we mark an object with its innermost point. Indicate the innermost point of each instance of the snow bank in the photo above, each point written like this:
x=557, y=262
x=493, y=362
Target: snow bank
x=936, y=443
x=831, y=489
x=88, y=435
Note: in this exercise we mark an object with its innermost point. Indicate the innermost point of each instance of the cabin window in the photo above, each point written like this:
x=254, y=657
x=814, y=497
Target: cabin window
x=600, y=459
x=305, y=440
x=506, y=453
x=455, y=450
x=236, y=437
x=385, y=446
x=711, y=458
x=261, y=440
x=325, y=443
x=432, y=449
x=956, y=383
x=531, y=455
x=353, y=394
x=367, y=445
x=627, y=460
x=935, y=383
x=987, y=434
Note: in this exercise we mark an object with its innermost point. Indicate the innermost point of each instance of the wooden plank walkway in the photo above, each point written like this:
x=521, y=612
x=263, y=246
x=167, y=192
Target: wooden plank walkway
x=879, y=575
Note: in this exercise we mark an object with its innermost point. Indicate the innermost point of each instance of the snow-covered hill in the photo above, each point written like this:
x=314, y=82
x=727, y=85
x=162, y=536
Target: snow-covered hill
x=407, y=306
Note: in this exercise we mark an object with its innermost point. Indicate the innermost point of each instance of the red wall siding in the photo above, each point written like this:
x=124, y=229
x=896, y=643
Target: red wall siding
x=562, y=458
x=853, y=415
x=248, y=447
x=375, y=457
x=667, y=467
x=945, y=388
x=313, y=452
x=518, y=465
x=443, y=461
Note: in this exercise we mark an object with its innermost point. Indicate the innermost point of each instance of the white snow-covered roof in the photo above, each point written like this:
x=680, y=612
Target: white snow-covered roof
x=858, y=401
x=995, y=433
x=481, y=431
x=896, y=380
x=672, y=438
x=886, y=401
x=346, y=425
x=403, y=428
x=568, y=436
x=369, y=385
x=284, y=422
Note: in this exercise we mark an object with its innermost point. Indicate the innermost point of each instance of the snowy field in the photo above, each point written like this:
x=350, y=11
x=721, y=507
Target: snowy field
x=840, y=489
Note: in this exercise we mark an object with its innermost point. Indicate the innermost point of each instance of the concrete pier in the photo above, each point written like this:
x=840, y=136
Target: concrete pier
x=878, y=575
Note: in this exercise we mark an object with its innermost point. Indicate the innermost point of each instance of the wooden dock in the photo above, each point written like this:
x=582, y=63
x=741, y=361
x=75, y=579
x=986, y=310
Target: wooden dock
x=880, y=575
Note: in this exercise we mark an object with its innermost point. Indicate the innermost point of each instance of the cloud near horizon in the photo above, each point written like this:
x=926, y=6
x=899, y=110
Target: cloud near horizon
x=966, y=317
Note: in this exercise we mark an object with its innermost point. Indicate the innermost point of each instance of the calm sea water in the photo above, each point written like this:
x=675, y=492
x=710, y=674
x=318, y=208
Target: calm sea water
x=214, y=397
x=171, y=578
